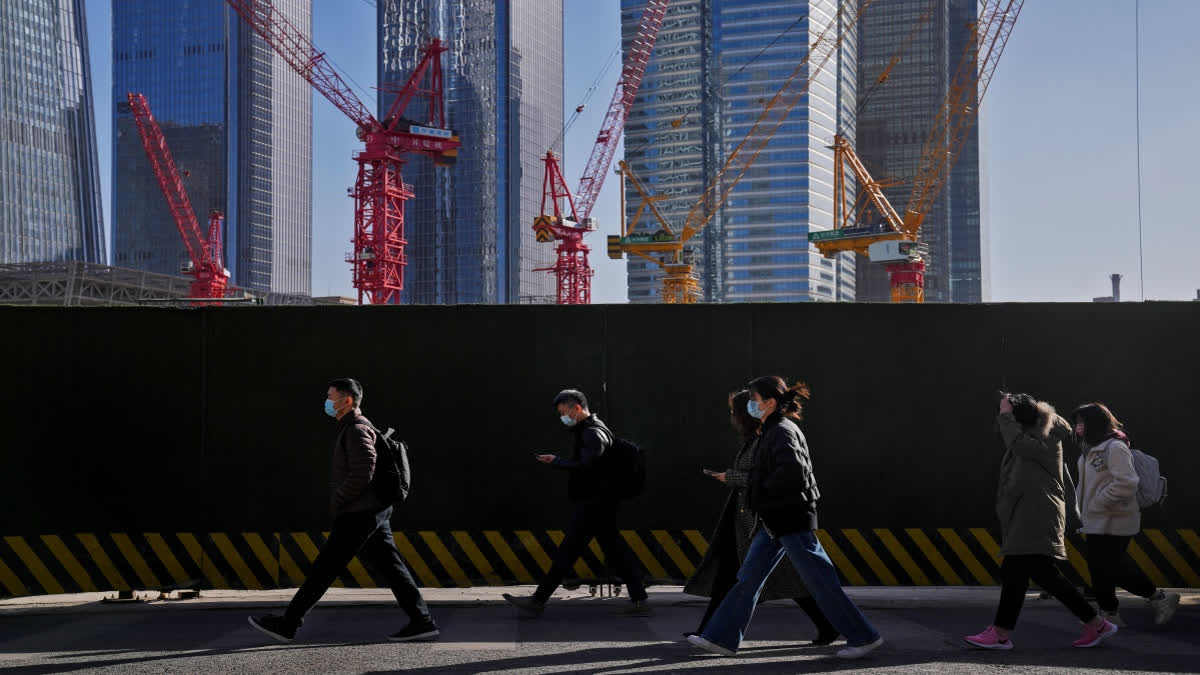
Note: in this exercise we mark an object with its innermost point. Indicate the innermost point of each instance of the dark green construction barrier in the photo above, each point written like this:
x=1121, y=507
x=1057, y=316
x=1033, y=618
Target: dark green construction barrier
x=149, y=420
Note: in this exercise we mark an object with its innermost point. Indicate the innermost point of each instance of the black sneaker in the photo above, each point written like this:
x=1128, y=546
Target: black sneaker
x=275, y=626
x=417, y=630
x=527, y=604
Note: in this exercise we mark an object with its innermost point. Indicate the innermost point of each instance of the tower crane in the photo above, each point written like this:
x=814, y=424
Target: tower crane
x=666, y=247
x=379, y=192
x=571, y=269
x=204, y=252
x=895, y=241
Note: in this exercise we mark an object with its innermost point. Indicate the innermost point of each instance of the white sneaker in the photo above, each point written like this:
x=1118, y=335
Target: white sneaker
x=861, y=650
x=1114, y=618
x=1164, y=605
x=710, y=646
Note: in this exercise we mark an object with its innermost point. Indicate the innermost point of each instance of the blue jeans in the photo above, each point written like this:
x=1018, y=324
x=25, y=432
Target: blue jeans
x=728, y=626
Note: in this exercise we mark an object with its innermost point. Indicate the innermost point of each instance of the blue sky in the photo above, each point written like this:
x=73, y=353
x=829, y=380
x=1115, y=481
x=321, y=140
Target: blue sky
x=1058, y=141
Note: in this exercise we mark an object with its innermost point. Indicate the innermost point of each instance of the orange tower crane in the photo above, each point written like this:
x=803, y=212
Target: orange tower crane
x=571, y=269
x=379, y=192
x=895, y=242
x=666, y=247
x=204, y=252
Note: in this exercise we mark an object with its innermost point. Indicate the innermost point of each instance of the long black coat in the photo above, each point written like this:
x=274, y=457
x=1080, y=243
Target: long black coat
x=734, y=530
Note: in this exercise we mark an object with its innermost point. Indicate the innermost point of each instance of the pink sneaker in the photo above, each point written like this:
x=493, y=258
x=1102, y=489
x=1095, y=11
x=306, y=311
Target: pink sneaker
x=1094, y=636
x=989, y=639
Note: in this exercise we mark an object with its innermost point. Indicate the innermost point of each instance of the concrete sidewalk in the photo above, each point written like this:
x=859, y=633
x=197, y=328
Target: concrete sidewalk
x=867, y=597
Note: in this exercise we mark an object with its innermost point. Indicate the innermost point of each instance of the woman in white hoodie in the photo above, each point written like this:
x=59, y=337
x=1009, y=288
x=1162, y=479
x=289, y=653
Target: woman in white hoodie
x=1107, y=497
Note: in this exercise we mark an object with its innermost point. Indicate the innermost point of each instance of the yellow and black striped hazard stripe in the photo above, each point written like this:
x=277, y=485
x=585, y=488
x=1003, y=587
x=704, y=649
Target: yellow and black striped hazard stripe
x=69, y=563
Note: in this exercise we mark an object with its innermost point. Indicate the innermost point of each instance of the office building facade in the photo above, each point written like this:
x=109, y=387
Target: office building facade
x=469, y=226
x=715, y=66
x=238, y=121
x=50, y=209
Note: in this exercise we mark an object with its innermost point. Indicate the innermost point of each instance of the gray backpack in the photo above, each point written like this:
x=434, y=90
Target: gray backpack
x=1152, y=485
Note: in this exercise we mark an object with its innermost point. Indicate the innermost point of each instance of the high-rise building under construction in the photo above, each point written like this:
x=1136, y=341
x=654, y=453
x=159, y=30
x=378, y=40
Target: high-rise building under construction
x=894, y=121
x=238, y=121
x=715, y=66
x=469, y=226
x=50, y=207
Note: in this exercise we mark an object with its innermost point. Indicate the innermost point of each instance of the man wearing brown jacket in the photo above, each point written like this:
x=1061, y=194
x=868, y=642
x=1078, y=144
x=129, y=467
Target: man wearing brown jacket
x=361, y=525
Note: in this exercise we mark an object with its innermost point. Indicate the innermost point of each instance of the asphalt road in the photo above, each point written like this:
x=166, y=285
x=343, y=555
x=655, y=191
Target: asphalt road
x=580, y=637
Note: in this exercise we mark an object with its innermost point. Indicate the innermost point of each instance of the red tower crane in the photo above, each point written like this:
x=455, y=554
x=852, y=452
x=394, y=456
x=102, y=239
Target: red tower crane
x=204, y=253
x=379, y=192
x=571, y=268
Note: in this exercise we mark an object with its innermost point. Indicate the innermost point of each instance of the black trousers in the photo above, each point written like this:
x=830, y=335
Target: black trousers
x=368, y=534
x=1111, y=567
x=1015, y=573
x=593, y=518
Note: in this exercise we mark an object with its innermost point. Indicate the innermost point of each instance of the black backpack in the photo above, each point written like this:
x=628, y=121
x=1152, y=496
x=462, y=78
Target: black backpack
x=627, y=465
x=392, y=477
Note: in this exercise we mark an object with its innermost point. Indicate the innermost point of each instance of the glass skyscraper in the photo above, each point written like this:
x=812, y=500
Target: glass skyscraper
x=238, y=121
x=470, y=225
x=894, y=122
x=49, y=172
x=716, y=63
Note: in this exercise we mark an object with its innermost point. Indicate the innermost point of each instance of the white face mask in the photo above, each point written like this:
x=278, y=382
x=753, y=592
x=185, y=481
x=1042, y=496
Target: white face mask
x=566, y=419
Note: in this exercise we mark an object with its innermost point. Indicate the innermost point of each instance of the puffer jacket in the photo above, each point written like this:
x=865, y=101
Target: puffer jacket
x=1107, y=490
x=782, y=488
x=1030, y=497
x=353, y=466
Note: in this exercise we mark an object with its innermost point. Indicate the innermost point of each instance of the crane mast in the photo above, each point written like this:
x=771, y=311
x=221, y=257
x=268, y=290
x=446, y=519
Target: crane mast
x=378, y=256
x=895, y=241
x=571, y=269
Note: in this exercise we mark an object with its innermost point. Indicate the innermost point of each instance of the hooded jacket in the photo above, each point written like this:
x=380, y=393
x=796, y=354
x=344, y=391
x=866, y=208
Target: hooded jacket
x=1030, y=497
x=1108, y=487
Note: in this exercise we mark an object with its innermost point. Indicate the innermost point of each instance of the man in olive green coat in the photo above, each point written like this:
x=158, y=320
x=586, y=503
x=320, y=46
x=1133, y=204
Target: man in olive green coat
x=1031, y=505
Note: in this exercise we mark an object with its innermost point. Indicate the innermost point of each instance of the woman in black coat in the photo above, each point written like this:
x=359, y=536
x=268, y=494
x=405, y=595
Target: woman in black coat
x=731, y=538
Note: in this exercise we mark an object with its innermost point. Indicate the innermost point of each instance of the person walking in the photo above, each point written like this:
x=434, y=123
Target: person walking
x=1031, y=505
x=361, y=525
x=1108, y=507
x=730, y=540
x=592, y=489
x=783, y=492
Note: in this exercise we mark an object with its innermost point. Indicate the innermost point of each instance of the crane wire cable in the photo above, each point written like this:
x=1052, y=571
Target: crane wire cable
x=591, y=91
x=1137, y=101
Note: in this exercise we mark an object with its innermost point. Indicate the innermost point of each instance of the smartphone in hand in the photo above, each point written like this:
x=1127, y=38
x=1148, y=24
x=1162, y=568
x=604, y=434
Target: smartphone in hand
x=710, y=472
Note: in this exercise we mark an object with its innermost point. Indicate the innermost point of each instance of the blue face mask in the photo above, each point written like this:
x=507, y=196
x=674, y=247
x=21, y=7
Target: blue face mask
x=566, y=419
x=755, y=411
x=329, y=410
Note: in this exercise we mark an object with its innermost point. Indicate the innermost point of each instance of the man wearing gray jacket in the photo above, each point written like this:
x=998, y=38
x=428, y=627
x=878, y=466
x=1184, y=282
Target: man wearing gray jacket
x=361, y=525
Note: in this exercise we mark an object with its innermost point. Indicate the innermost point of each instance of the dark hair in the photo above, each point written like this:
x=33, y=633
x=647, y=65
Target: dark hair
x=1024, y=408
x=743, y=422
x=790, y=399
x=1098, y=422
x=571, y=397
x=347, y=386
